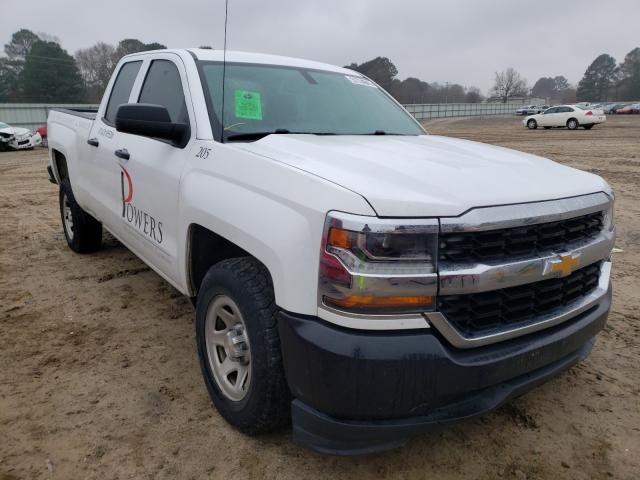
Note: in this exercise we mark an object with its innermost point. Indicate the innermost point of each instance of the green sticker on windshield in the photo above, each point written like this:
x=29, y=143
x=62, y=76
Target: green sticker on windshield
x=248, y=105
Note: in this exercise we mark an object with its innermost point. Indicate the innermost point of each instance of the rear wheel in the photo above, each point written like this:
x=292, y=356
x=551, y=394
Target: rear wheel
x=572, y=124
x=532, y=124
x=82, y=232
x=239, y=346
x=588, y=127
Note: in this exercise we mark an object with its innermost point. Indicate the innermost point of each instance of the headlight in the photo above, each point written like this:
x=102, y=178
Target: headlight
x=378, y=266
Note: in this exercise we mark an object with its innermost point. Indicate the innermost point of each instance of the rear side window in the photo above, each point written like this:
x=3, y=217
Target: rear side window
x=122, y=89
x=163, y=87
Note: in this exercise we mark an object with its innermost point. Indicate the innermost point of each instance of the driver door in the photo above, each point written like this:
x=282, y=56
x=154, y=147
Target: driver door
x=548, y=118
x=151, y=168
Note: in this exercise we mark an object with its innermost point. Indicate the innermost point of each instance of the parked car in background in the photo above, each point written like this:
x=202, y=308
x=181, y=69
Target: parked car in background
x=533, y=109
x=570, y=116
x=629, y=109
x=610, y=108
x=6, y=136
x=17, y=138
x=524, y=110
x=42, y=130
x=596, y=109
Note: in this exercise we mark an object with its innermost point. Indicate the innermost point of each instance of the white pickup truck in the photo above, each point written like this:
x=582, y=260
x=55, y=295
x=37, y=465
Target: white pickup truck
x=351, y=274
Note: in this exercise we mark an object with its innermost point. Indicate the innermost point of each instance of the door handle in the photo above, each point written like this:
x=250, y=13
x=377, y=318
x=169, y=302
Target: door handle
x=122, y=153
x=93, y=142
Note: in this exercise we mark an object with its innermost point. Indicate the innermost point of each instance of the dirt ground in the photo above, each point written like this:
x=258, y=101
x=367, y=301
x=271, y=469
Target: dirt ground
x=99, y=377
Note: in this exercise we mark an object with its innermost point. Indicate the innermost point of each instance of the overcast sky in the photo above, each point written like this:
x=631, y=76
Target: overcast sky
x=447, y=40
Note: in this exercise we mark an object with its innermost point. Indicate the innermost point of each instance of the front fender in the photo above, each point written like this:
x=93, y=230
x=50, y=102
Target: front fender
x=274, y=212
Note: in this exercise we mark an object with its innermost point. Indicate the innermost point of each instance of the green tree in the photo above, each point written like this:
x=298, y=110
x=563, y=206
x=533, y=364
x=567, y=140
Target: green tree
x=560, y=84
x=543, y=88
x=9, y=73
x=381, y=70
x=155, y=46
x=50, y=74
x=20, y=44
x=598, y=79
x=133, y=45
x=630, y=73
x=551, y=88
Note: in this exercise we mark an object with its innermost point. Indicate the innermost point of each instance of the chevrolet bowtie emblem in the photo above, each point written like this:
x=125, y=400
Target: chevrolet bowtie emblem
x=563, y=265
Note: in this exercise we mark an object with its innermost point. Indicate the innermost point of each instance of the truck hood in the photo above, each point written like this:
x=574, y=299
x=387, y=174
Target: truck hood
x=427, y=175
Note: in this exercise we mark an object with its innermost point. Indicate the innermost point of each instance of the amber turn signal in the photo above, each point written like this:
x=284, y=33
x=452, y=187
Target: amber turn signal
x=369, y=302
x=339, y=238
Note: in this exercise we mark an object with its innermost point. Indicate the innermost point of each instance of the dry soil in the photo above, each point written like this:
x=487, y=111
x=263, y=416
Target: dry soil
x=99, y=377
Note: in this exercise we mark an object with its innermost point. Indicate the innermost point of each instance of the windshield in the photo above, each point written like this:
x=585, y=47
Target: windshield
x=263, y=99
x=4, y=125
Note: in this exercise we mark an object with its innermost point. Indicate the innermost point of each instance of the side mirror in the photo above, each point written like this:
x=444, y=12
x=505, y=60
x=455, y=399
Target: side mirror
x=152, y=121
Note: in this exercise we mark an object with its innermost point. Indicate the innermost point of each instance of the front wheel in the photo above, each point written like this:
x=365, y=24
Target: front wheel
x=532, y=124
x=572, y=124
x=239, y=346
x=82, y=232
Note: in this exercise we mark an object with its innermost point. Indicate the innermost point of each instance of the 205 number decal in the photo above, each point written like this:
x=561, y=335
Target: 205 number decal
x=203, y=153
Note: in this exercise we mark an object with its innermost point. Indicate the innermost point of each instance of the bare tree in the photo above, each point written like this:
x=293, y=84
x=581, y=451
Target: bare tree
x=509, y=84
x=96, y=65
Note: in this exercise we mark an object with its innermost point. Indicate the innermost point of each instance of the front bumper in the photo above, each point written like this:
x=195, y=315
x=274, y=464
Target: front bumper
x=31, y=141
x=364, y=391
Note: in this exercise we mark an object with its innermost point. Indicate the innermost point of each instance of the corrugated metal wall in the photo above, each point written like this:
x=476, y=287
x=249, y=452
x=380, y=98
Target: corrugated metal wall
x=30, y=115
x=442, y=110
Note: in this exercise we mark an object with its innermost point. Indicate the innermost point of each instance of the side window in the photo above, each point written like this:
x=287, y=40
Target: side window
x=569, y=109
x=163, y=87
x=551, y=110
x=121, y=89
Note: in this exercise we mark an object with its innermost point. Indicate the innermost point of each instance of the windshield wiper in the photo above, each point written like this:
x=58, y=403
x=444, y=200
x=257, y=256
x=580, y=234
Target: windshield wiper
x=256, y=135
x=277, y=131
x=382, y=132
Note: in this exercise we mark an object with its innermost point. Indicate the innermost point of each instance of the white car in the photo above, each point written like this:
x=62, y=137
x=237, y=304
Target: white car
x=17, y=138
x=570, y=116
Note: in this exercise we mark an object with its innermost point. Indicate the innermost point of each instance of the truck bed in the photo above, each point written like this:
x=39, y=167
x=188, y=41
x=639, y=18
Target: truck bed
x=88, y=113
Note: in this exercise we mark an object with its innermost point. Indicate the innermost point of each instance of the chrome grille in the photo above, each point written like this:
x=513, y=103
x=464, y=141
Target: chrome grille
x=530, y=240
x=484, y=313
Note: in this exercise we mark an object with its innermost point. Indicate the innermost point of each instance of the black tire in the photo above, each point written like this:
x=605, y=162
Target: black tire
x=86, y=234
x=588, y=127
x=547, y=128
x=572, y=124
x=267, y=404
x=532, y=124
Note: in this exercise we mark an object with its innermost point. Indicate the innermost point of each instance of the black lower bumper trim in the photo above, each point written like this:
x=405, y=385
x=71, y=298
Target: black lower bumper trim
x=325, y=434
x=361, y=391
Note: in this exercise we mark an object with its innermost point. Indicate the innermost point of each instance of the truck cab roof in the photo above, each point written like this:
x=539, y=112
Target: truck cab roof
x=234, y=56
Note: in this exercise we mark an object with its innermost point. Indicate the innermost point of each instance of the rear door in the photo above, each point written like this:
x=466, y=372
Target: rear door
x=102, y=142
x=565, y=114
x=148, y=186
